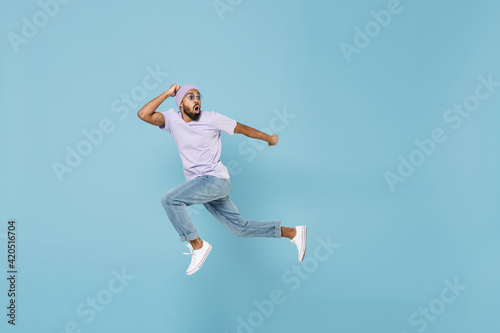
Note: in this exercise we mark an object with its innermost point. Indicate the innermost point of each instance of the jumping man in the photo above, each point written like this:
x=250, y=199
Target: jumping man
x=198, y=138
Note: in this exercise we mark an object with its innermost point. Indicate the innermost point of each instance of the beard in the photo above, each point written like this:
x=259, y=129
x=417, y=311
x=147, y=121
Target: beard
x=191, y=114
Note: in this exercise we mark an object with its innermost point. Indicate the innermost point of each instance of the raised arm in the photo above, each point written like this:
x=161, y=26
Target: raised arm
x=272, y=140
x=148, y=112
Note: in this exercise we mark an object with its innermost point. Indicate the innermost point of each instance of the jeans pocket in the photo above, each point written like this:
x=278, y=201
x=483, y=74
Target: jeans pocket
x=219, y=187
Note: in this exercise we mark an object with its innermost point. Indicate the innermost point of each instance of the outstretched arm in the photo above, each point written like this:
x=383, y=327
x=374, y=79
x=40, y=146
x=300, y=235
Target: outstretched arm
x=148, y=112
x=272, y=140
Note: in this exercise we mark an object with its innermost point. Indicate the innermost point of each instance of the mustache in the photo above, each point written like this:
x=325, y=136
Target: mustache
x=191, y=114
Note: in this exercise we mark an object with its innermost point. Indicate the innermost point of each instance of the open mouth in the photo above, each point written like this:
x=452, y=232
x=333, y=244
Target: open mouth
x=197, y=108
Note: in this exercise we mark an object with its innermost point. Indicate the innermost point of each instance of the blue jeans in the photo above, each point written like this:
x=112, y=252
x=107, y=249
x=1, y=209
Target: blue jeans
x=212, y=192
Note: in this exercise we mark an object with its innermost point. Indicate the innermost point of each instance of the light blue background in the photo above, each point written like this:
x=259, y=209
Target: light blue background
x=352, y=121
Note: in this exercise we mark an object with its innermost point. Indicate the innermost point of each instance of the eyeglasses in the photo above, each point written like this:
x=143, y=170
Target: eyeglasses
x=192, y=97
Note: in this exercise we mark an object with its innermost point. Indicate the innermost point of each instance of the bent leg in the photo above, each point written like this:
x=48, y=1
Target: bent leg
x=225, y=212
x=195, y=191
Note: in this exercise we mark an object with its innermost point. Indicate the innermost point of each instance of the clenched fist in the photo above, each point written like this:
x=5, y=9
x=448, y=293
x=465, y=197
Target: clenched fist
x=173, y=89
x=274, y=140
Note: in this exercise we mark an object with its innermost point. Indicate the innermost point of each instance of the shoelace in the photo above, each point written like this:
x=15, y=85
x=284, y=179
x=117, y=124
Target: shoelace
x=191, y=251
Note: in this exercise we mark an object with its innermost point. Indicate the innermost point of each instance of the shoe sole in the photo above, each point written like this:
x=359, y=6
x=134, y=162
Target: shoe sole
x=197, y=268
x=304, y=238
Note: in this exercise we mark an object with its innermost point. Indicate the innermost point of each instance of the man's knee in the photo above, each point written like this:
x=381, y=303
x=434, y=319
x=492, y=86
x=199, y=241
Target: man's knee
x=238, y=231
x=167, y=200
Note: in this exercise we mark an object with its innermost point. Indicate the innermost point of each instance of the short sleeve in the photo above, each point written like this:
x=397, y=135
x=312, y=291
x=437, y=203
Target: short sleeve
x=223, y=123
x=167, y=115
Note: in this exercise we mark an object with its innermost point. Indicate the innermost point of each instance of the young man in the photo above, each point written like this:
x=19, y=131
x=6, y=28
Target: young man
x=197, y=135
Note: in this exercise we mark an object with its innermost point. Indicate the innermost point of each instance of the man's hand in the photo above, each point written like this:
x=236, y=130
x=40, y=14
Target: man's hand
x=173, y=90
x=273, y=141
x=148, y=112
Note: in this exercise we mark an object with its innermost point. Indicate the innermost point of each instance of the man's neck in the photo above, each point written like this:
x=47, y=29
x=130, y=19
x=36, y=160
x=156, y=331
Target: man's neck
x=185, y=117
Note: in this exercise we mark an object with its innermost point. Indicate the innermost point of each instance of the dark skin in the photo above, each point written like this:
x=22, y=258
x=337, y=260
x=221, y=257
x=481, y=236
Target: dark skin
x=193, y=107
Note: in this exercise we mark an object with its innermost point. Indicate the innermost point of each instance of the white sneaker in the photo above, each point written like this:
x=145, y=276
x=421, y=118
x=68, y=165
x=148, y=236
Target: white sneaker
x=198, y=257
x=300, y=240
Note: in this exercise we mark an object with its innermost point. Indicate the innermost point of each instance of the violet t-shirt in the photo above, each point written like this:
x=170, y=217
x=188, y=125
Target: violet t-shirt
x=199, y=142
